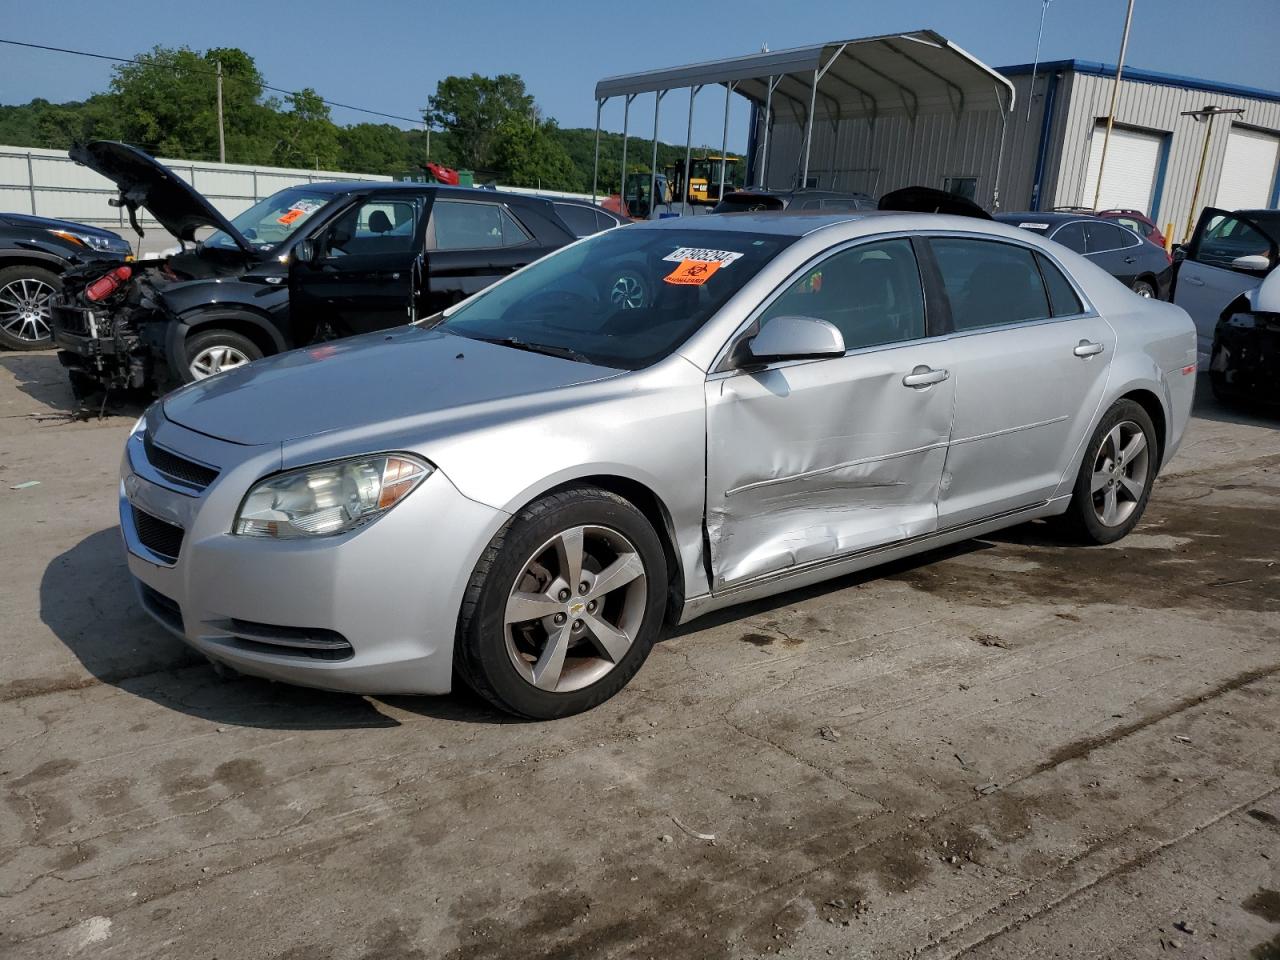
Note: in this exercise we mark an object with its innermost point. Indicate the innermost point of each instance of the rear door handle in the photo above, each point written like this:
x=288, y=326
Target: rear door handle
x=1195, y=281
x=924, y=376
x=1087, y=348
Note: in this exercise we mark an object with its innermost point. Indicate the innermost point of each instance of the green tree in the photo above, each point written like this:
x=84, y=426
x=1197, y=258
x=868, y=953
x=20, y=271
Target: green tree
x=307, y=136
x=474, y=109
x=527, y=154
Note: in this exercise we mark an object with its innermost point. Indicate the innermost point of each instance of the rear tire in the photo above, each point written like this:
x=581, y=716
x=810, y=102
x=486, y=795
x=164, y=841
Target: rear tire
x=212, y=351
x=1115, y=478
x=533, y=643
x=24, y=307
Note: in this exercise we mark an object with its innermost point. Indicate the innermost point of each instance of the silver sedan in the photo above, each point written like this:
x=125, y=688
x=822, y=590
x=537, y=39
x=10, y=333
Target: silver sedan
x=651, y=424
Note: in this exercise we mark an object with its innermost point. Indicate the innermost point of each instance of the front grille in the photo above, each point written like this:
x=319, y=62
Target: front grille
x=74, y=320
x=176, y=468
x=159, y=536
x=162, y=608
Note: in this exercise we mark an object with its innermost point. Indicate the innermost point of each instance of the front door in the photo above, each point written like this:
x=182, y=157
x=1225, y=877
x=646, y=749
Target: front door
x=1030, y=367
x=1206, y=281
x=361, y=276
x=810, y=460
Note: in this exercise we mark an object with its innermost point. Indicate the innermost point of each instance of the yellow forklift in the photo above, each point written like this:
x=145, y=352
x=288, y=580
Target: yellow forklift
x=704, y=178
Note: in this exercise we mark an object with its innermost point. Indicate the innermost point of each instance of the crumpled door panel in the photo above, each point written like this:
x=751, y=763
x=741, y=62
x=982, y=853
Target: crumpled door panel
x=820, y=459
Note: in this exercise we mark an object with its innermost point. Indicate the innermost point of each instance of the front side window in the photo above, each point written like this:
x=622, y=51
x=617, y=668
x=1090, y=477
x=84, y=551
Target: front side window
x=474, y=225
x=622, y=298
x=989, y=283
x=1072, y=236
x=871, y=293
x=379, y=227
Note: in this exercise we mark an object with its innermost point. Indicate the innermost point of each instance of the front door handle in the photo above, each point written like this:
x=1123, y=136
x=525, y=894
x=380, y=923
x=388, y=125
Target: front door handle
x=1130, y=259
x=1087, y=348
x=924, y=376
x=1194, y=281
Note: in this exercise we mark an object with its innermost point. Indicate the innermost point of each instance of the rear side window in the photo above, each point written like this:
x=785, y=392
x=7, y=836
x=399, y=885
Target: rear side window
x=1107, y=236
x=1062, y=296
x=472, y=225
x=989, y=283
x=581, y=220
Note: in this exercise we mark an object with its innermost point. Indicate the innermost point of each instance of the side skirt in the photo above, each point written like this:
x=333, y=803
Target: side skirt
x=826, y=569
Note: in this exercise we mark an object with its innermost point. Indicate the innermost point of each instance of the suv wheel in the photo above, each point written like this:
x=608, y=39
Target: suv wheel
x=564, y=605
x=212, y=351
x=24, y=307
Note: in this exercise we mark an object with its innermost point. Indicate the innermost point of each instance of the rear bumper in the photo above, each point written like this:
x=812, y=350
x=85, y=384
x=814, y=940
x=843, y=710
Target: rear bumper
x=373, y=611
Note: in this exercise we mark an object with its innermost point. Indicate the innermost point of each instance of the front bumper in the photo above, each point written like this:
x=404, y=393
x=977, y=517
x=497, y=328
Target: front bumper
x=372, y=611
x=1245, y=363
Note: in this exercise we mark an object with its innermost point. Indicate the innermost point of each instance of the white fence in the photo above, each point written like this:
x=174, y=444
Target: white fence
x=48, y=183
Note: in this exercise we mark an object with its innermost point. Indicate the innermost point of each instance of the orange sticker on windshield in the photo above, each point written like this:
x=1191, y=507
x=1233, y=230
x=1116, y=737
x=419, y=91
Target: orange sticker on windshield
x=693, y=273
x=290, y=216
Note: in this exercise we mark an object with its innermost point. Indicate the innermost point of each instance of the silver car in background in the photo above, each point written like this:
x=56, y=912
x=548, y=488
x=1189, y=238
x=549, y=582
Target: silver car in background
x=524, y=490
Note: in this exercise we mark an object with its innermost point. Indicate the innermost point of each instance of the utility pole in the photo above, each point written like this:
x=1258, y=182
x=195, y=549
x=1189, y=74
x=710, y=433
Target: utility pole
x=1204, y=113
x=222, y=140
x=1111, y=114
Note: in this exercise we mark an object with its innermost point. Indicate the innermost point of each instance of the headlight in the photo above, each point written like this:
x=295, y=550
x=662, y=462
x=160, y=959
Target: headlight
x=90, y=240
x=329, y=498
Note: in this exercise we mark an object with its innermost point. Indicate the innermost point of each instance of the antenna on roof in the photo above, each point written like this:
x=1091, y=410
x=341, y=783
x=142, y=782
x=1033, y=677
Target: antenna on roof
x=764, y=48
x=1031, y=90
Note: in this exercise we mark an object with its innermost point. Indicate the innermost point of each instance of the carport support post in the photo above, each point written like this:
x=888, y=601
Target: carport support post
x=595, y=169
x=724, y=137
x=653, y=163
x=622, y=184
x=688, y=154
x=768, y=122
x=808, y=128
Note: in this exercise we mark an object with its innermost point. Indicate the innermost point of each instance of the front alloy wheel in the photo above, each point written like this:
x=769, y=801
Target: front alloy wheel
x=563, y=605
x=215, y=359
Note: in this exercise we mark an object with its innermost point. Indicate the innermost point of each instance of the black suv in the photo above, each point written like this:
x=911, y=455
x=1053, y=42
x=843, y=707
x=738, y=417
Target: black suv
x=312, y=262
x=34, y=254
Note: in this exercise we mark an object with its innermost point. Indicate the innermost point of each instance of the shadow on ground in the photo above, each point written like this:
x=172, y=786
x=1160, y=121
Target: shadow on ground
x=41, y=377
x=1209, y=407
x=87, y=599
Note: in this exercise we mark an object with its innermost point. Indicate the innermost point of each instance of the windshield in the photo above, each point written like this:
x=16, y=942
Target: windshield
x=271, y=221
x=625, y=298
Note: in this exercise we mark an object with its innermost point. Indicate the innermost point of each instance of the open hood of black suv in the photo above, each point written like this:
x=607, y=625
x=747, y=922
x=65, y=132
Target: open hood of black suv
x=145, y=182
x=929, y=200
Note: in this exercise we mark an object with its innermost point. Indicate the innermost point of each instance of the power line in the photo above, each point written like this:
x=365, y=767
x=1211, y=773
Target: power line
x=211, y=72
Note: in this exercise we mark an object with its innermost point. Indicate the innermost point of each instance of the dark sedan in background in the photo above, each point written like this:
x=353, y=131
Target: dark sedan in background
x=1137, y=263
x=34, y=254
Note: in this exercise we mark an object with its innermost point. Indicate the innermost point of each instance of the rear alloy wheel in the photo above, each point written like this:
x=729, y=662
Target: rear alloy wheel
x=564, y=606
x=24, y=307
x=1115, y=479
x=1143, y=289
x=214, y=351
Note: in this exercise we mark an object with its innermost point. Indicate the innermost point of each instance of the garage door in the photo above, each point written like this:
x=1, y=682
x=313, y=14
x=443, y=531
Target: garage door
x=1248, y=170
x=1133, y=163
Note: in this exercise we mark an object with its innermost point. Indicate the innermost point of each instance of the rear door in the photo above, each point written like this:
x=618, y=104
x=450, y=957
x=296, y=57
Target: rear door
x=362, y=275
x=811, y=460
x=1206, y=282
x=1030, y=363
x=471, y=244
x=1114, y=249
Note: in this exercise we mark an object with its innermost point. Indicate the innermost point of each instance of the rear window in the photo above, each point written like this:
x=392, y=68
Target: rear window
x=746, y=202
x=989, y=283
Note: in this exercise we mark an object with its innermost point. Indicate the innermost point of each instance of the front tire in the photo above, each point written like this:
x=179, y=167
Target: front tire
x=24, y=307
x=1144, y=289
x=564, y=605
x=212, y=351
x=1115, y=478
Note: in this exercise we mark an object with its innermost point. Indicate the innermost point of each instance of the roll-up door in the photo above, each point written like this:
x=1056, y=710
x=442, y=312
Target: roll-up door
x=1248, y=178
x=1133, y=166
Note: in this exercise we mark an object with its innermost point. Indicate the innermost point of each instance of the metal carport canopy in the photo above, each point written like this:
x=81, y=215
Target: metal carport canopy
x=912, y=73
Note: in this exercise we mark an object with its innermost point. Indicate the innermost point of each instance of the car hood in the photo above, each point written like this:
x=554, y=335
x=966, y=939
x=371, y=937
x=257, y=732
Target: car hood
x=370, y=380
x=45, y=223
x=145, y=182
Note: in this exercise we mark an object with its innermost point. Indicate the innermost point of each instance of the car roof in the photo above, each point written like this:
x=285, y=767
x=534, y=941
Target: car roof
x=337, y=187
x=801, y=223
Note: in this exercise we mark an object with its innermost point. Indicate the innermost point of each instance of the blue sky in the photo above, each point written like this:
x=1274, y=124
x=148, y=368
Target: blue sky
x=388, y=55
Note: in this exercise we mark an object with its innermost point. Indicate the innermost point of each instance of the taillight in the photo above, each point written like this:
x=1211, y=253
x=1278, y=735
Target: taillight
x=107, y=284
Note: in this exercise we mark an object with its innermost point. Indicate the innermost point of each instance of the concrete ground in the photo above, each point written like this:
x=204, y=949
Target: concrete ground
x=1007, y=749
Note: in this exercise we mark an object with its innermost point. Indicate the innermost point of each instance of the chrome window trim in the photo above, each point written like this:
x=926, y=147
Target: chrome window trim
x=719, y=371
x=1137, y=240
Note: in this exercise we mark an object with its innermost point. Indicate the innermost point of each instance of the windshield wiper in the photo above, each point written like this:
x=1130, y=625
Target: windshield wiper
x=549, y=349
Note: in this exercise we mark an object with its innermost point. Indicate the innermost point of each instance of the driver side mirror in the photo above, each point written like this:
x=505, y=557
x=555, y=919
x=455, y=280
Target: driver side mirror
x=1253, y=263
x=305, y=252
x=1179, y=252
x=796, y=338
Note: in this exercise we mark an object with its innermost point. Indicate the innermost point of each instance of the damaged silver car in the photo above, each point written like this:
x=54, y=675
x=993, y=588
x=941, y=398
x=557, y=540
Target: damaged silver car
x=524, y=490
